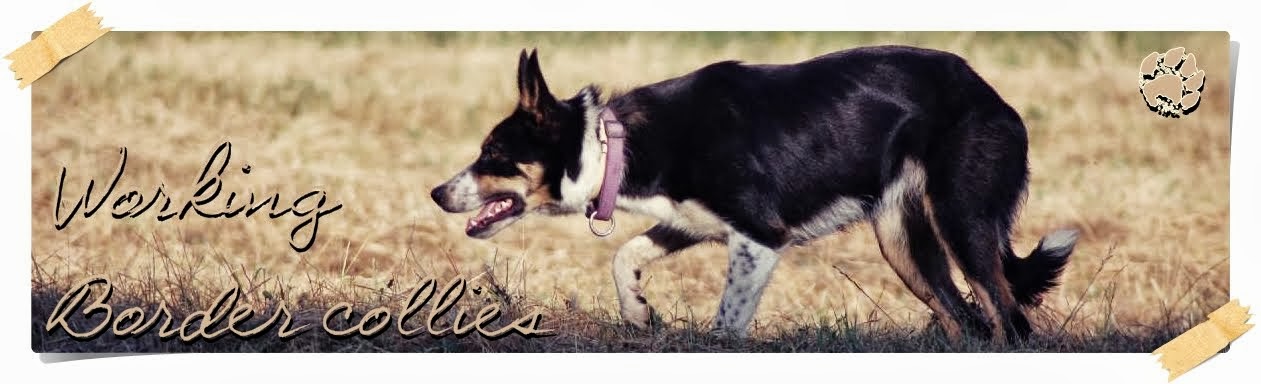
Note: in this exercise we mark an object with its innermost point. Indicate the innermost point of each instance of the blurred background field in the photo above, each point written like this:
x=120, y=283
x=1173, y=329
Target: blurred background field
x=378, y=119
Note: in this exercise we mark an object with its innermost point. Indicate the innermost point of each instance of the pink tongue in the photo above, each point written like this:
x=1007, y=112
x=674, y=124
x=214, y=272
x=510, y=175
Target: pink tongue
x=485, y=212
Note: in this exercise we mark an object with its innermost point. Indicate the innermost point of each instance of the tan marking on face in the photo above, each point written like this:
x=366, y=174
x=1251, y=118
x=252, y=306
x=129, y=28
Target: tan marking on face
x=530, y=185
x=489, y=185
x=536, y=195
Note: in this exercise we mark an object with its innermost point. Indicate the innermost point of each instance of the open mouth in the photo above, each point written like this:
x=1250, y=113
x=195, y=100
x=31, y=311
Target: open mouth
x=497, y=209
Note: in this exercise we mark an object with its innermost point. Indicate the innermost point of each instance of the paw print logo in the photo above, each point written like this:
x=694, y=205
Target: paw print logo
x=1171, y=82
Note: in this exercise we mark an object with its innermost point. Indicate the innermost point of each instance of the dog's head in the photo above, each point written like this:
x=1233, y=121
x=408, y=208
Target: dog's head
x=525, y=159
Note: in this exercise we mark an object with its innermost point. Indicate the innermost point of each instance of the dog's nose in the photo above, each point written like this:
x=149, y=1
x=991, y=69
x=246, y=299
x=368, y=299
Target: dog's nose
x=439, y=195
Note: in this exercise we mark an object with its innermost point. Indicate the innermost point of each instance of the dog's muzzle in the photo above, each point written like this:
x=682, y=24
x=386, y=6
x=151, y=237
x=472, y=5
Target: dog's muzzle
x=460, y=194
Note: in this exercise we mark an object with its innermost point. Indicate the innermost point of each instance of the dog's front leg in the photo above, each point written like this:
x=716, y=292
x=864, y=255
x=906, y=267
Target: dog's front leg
x=654, y=244
x=748, y=270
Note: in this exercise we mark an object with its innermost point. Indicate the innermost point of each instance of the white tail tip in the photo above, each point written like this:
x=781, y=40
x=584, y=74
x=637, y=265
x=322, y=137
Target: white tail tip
x=1059, y=243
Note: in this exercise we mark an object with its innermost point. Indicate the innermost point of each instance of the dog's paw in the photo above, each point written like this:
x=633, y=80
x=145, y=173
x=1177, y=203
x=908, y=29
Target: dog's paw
x=722, y=332
x=639, y=316
x=648, y=320
x=1171, y=82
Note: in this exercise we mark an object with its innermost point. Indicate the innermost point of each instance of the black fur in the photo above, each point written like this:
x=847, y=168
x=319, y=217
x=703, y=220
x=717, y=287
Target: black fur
x=1033, y=276
x=768, y=147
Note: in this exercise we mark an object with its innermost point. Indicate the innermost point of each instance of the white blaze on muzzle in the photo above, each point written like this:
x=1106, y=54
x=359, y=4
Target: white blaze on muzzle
x=461, y=193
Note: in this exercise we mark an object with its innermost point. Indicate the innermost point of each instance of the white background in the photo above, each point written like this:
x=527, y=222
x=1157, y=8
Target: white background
x=19, y=18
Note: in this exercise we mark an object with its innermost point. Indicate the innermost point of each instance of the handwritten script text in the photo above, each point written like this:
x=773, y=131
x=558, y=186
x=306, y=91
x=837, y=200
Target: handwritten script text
x=309, y=207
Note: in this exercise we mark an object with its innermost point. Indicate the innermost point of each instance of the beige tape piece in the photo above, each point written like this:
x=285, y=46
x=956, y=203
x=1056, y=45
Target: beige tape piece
x=1205, y=340
x=65, y=37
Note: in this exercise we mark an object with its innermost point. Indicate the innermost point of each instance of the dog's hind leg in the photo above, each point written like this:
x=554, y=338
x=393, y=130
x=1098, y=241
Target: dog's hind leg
x=749, y=268
x=975, y=235
x=659, y=241
x=907, y=241
x=978, y=169
x=976, y=247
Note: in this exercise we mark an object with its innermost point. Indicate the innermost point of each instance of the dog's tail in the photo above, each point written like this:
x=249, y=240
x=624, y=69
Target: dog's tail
x=1033, y=276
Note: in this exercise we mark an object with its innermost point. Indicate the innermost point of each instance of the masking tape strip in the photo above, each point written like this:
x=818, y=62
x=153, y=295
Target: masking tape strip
x=1204, y=340
x=65, y=37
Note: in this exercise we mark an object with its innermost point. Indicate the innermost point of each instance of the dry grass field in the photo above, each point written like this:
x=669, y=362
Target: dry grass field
x=378, y=119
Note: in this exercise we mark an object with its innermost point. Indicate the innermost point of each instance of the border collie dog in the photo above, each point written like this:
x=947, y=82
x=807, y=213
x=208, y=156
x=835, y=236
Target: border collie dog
x=764, y=157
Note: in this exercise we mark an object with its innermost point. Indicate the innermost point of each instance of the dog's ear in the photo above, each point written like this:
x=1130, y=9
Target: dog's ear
x=535, y=98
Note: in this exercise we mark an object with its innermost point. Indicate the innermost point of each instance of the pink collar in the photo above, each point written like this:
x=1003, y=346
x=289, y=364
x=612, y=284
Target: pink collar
x=612, y=136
